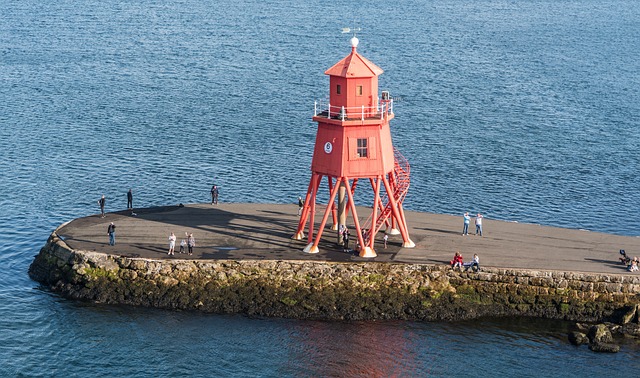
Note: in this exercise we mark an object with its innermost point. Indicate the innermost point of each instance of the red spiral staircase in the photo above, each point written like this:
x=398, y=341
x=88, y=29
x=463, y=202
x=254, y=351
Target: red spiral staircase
x=399, y=181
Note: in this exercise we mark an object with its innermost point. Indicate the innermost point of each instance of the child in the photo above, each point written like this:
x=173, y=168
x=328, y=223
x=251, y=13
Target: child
x=183, y=244
x=634, y=266
x=457, y=261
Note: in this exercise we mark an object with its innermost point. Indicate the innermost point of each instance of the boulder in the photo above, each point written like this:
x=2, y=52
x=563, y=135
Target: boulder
x=599, y=333
x=604, y=347
x=578, y=338
x=631, y=329
x=613, y=328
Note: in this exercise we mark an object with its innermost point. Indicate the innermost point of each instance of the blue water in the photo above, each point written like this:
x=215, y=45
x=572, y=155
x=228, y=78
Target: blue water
x=524, y=110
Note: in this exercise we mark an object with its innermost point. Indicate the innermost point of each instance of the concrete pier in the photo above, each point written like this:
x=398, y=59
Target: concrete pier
x=263, y=232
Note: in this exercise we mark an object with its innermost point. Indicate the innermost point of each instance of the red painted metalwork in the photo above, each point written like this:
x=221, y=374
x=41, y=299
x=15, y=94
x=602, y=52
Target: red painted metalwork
x=353, y=141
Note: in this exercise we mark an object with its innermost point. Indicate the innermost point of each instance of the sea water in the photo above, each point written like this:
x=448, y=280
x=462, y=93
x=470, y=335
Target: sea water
x=524, y=110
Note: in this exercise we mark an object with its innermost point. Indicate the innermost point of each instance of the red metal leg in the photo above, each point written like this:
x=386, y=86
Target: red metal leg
x=327, y=210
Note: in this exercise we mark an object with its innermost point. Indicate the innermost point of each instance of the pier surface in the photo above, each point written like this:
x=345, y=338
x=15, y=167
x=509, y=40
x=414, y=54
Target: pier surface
x=263, y=231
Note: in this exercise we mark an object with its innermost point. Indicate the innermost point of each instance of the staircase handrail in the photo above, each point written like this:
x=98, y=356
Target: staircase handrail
x=401, y=175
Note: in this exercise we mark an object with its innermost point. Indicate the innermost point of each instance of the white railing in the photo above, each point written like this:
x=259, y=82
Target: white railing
x=325, y=109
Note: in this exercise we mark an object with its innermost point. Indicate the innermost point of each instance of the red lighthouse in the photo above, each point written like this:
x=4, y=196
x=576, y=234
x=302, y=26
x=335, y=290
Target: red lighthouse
x=354, y=143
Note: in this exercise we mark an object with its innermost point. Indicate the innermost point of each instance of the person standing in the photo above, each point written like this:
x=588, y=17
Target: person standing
x=467, y=219
x=102, y=202
x=129, y=200
x=111, y=231
x=479, y=224
x=191, y=242
x=345, y=240
x=385, y=238
x=214, y=194
x=300, y=205
x=172, y=244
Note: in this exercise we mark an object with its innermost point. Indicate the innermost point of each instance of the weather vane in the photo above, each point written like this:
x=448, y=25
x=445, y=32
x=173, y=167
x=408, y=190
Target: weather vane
x=353, y=30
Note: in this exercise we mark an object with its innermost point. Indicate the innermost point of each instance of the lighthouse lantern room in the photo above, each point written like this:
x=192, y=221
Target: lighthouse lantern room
x=353, y=143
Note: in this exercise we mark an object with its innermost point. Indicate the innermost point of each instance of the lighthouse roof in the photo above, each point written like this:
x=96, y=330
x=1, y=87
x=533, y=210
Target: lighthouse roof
x=354, y=65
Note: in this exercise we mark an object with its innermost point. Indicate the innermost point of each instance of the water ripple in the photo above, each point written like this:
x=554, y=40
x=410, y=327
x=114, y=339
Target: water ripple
x=524, y=111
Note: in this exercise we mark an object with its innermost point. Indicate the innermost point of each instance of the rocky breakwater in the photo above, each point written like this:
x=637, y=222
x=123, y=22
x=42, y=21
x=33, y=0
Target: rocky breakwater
x=604, y=337
x=330, y=290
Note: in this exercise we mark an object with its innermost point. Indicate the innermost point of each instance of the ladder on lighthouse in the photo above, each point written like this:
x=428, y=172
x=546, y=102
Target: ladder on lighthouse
x=399, y=183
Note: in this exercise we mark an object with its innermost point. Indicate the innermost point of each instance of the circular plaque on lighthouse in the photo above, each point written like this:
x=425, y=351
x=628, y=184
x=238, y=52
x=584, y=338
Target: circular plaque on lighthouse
x=328, y=147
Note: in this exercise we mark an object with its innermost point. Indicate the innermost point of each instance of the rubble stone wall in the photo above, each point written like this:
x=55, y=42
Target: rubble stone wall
x=330, y=290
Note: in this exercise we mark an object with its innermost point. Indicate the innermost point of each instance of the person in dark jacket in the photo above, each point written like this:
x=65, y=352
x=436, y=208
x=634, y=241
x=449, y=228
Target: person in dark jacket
x=345, y=240
x=111, y=231
x=300, y=205
x=102, y=202
x=214, y=195
x=129, y=200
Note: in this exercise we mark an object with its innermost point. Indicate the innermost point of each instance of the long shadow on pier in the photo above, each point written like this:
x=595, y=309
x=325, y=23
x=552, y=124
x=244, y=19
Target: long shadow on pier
x=251, y=232
x=263, y=231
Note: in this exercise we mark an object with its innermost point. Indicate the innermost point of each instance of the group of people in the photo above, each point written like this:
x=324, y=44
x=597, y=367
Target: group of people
x=631, y=263
x=345, y=236
x=111, y=229
x=467, y=220
x=186, y=245
x=189, y=242
x=459, y=263
x=103, y=201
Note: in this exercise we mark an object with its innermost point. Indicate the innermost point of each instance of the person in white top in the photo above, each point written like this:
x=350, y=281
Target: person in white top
x=474, y=264
x=172, y=244
x=479, y=224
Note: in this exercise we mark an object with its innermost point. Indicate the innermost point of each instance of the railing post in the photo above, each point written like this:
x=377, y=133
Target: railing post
x=315, y=108
x=382, y=111
x=343, y=113
x=391, y=106
x=363, y=112
x=329, y=111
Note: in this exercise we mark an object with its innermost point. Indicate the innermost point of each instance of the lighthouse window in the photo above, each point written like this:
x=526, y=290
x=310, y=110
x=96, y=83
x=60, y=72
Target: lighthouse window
x=362, y=147
x=359, y=90
x=338, y=89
